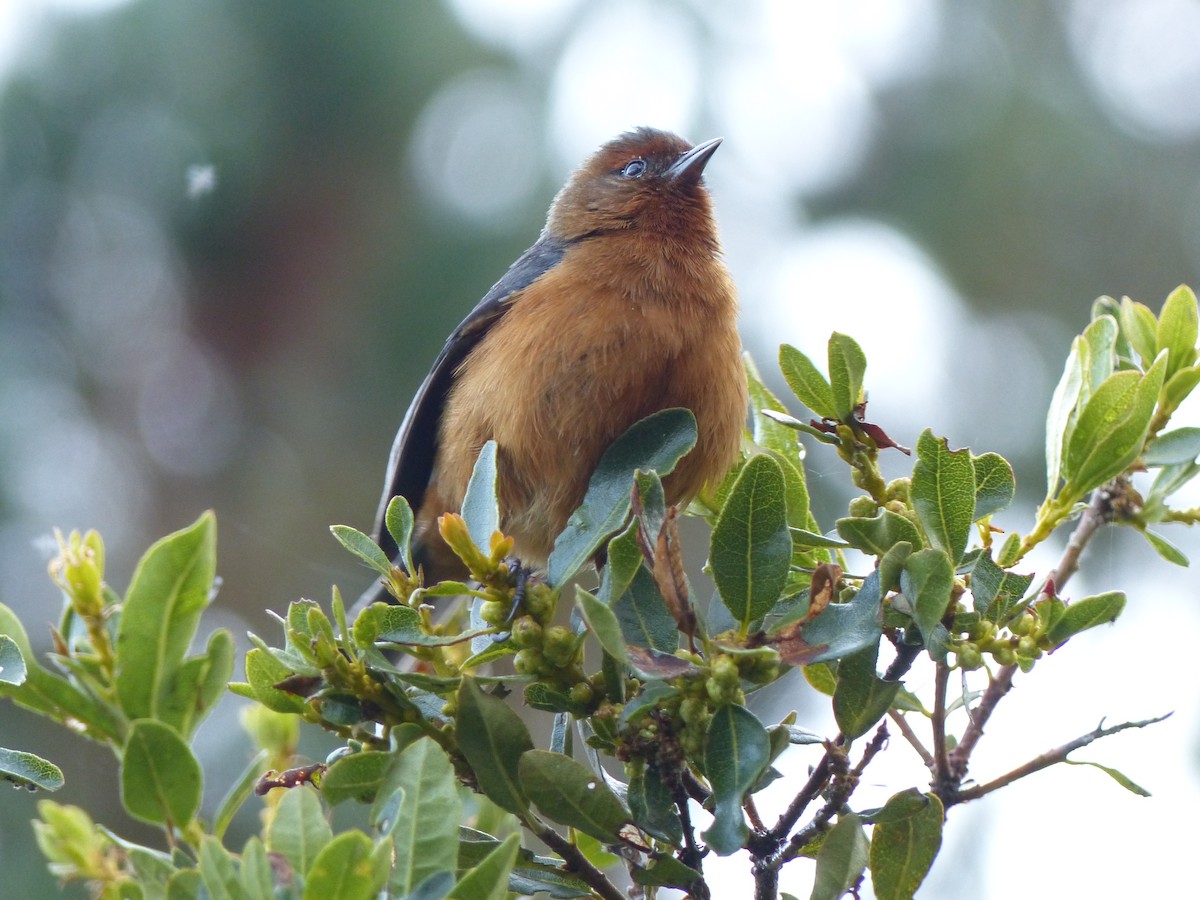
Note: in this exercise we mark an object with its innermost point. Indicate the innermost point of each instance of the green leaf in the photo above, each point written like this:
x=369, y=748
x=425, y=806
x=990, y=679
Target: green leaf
x=891, y=564
x=1086, y=613
x=1119, y=777
x=943, y=494
x=1140, y=327
x=1182, y=445
x=492, y=737
x=926, y=582
x=847, y=365
x=862, y=698
x=602, y=623
x=347, y=868
x=218, y=871
x=656, y=443
x=480, y=508
x=843, y=628
x=186, y=884
x=170, y=588
x=1178, y=329
x=1111, y=429
x=643, y=615
x=995, y=484
x=807, y=382
x=530, y=873
x=161, y=781
x=489, y=880
x=399, y=522
x=355, y=777
x=994, y=591
x=877, y=534
x=239, y=791
x=255, y=871
x=424, y=824
x=12, y=663
x=1165, y=548
x=572, y=794
x=624, y=558
x=1177, y=388
x=298, y=830
x=263, y=672
x=767, y=432
x=842, y=858
x=29, y=771
x=201, y=681
x=736, y=751
x=363, y=547
x=751, y=546
x=666, y=871
x=653, y=807
x=403, y=625
x=1060, y=418
x=1101, y=337
x=903, y=849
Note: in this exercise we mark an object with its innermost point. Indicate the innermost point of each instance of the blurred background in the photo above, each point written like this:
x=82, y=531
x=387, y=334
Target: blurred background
x=234, y=235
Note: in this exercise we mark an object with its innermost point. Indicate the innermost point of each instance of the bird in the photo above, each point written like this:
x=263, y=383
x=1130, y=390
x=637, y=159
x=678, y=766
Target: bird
x=621, y=308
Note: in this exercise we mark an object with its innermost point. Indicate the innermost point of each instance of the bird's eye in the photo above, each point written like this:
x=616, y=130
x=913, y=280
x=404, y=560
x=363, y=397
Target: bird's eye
x=634, y=168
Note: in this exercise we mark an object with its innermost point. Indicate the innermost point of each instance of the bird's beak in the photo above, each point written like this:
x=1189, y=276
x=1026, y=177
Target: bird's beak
x=689, y=167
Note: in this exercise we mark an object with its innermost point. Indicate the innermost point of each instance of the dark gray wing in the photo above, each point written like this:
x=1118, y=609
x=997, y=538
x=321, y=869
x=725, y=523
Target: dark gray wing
x=410, y=465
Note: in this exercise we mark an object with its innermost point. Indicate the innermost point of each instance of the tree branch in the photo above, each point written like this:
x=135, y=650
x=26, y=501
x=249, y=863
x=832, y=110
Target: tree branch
x=574, y=859
x=1047, y=759
x=911, y=736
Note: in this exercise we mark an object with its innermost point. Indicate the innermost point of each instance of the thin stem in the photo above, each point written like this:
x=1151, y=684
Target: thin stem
x=911, y=736
x=574, y=858
x=941, y=757
x=1049, y=758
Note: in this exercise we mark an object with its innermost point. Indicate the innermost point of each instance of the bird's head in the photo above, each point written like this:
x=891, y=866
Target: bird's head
x=644, y=180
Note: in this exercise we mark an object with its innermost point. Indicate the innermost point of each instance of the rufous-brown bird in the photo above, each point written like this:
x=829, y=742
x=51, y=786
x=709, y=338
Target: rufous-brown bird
x=621, y=308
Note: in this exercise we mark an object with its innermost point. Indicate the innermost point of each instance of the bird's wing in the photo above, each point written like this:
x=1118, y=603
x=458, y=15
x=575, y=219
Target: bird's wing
x=410, y=464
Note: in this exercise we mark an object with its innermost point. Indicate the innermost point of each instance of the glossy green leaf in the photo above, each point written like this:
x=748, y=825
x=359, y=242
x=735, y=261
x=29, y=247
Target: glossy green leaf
x=994, y=591
x=943, y=494
x=12, y=663
x=653, y=807
x=572, y=794
x=602, y=623
x=643, y=615
x=1112, y=428
x=1165, y=548
x=751, y=546
x=891, y=564
x=878, y=533
x=220, y=875
x=29, y=771
x=1178, y=329
x=1182, y=445
x=847, y=365
x=843, y=628
x=161, y=781
x=861, y=698
x=841, y=859
x=1119, y=777
x=807, y=382
x=347, y=868
x=1086, y=613
x=995, y=484
x=398, y=519
x=186, y=884
x=902, y=849
x=926, y=581
x=363, y=547
x=736, y=751
x=355, y=777
x=170, y=588
x=666, y=871
x=656, y=443
x=298, y=830
x=492, y=737
x=424, y=824
x=1140, y=327
x=1179, y=386
x=480, y=508
x=489, y=879
x=200, y=682
x=529, y=875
